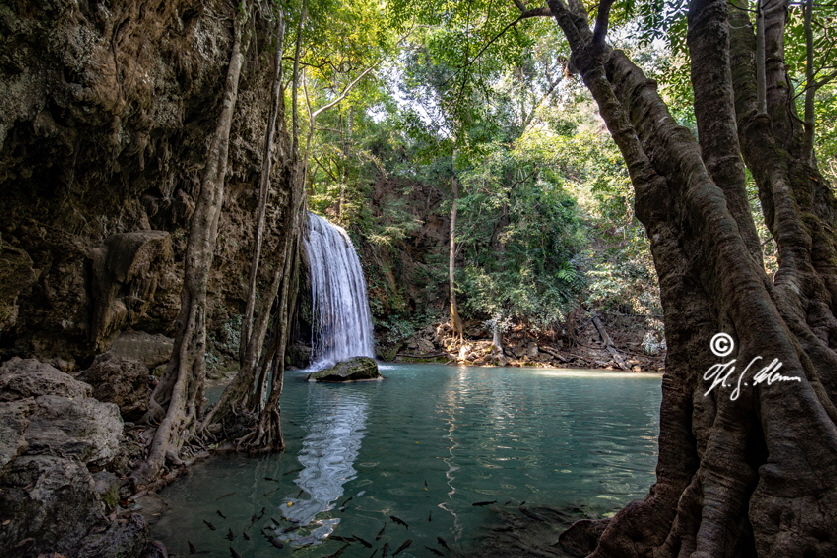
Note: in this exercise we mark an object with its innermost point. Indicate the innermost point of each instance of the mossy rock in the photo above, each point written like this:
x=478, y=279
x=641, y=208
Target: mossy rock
x=357, y=368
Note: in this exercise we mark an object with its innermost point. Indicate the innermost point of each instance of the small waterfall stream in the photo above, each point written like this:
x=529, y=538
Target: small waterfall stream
x=342, y=319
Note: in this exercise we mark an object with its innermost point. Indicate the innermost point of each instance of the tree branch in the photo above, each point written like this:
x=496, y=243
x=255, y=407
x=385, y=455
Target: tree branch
x=602, y=19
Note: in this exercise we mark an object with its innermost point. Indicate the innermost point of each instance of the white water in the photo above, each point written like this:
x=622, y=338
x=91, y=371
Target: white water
x=342, y=319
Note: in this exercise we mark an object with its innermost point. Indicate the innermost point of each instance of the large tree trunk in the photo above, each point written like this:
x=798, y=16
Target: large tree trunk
x=744, y=469
x=178, y=398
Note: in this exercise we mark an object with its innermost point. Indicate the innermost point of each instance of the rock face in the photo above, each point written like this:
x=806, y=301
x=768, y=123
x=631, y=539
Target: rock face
x=14, y=419
x=119, y=380
x=358, y=368
x=150, y=350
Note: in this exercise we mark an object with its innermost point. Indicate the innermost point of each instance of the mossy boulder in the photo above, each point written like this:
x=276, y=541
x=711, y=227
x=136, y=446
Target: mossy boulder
x=357, y=368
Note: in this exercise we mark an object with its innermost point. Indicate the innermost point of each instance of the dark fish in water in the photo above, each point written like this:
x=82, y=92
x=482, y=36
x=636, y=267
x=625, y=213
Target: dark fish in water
x=338, y=553
x=274, y=541
x=381, y=533
x=374, y=553
x=404, y=545
x=224, y=496
x=485, y=503
x=425, y=484
x=386, y=549
x=269, y=492
x=338, y=538
x=521, y=503
x=365, y=543
x=253, y=520
x=291, y=529
x=270, y=479
x=231, y=535
x=430, y=517
x=261, y=514
x=221, y=514
x=507, y=503
x=399, y=520
x=533, y=515
x=434, y=551
x=246, y=536
x=274, y=520
x=208, y=524
x=191, y=547
x=301, y=492
x=346, y=501
x=292, y=472
x=443, y=542
x=234, y=554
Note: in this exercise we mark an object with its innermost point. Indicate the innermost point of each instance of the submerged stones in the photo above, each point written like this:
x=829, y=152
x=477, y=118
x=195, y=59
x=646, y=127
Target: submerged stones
x=357, y=368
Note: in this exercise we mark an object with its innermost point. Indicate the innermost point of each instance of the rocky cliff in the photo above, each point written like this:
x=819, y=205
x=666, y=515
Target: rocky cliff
x=106, y=110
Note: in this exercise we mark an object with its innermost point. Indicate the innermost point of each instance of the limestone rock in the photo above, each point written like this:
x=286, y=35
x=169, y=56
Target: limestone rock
x=151, y=350
x=357, y=368
x=13, y=423
x=117, y=540
x=83, y=428
x=532, y=350
x=119, y=380
x=20, y=379
x=126, y=273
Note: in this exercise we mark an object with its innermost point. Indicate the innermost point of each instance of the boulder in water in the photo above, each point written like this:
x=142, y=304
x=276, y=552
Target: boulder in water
x=357, y=368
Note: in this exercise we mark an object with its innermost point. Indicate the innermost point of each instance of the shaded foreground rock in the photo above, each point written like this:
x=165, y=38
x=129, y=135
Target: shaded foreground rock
x=21, y=378
x=51, y=440
x=357, y=368
x=120, y=380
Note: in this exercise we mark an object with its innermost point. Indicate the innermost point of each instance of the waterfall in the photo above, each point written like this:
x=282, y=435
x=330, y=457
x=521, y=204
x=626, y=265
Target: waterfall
x=342, y=319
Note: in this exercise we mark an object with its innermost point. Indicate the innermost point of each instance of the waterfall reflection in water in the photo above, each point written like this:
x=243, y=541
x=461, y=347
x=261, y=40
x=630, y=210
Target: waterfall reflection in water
x=328, y=453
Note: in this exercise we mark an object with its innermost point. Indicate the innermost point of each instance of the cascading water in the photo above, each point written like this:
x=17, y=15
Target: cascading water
x=342, y=319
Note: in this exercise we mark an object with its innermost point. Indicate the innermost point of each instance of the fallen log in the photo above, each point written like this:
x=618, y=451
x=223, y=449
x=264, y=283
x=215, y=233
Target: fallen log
x=608, y=343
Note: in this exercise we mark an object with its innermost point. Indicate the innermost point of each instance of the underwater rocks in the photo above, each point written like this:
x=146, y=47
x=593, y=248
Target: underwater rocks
x=357, y=368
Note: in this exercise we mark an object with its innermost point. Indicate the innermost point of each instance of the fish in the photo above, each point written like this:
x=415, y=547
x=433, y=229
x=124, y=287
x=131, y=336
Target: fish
x=373, y=554
x=386, y=549
x=301, y=492
x=338, y=553
x=485, y=503
x=430, y=517
x=533, y=515
x=404, y=545
x=507, y=503
x=269, y=492
x=399, y=520
x=521, y=503
x=224, y=496
x=234, y=554
x=291, y=529
x=274, y=520
x=443, y=542
x=292, y=472
x=338, y=538
x=246, y=536
x=191, y=547
x=261, y=514
x=381, y=532
x=434, y=551
x=208, y=524
x=346, y=501
x=231, y=535
x=273, y=540
x=425, y=484
x=221, y=514
x=270, y=479
x=365, y=543
x=253, y=520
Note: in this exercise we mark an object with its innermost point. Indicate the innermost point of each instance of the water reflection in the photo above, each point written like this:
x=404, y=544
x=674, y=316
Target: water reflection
x=336, y=425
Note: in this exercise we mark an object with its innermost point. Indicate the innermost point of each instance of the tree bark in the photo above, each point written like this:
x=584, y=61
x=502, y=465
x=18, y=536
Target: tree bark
x=277, y=96
x=178, y=398
x=755, y=475
x=455, y=320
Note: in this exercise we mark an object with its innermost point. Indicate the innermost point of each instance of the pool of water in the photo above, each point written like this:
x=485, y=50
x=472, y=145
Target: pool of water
x=422, y=445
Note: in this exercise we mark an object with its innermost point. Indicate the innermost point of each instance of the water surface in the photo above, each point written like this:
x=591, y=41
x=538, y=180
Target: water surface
x=423, y=445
